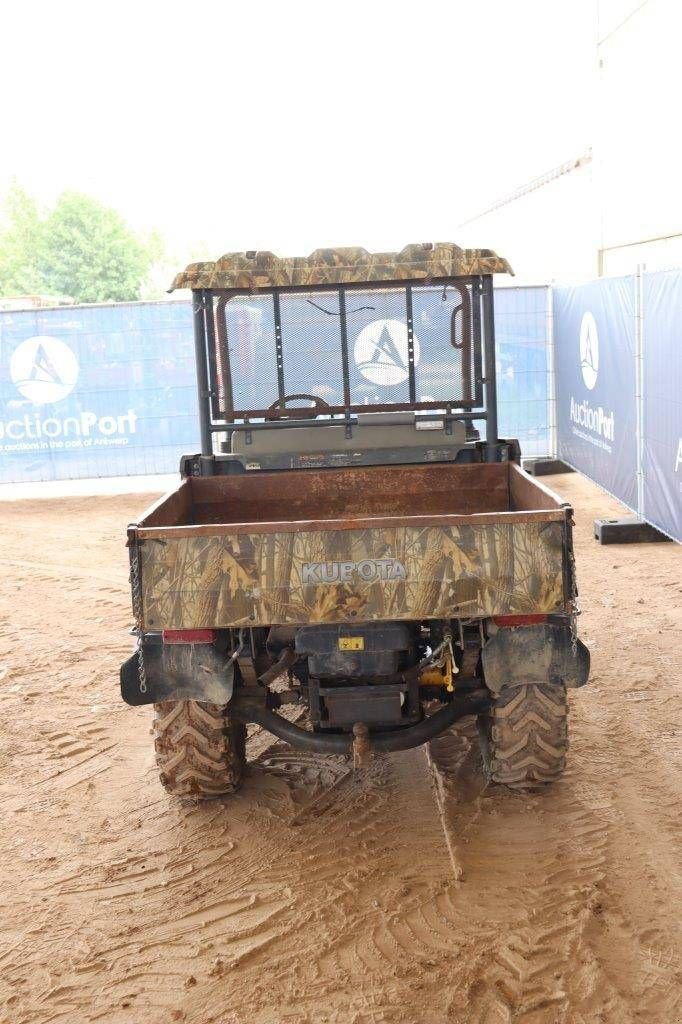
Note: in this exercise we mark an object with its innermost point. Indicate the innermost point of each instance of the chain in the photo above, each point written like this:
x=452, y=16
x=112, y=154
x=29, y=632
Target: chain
x=575, y=606
x=137, y=613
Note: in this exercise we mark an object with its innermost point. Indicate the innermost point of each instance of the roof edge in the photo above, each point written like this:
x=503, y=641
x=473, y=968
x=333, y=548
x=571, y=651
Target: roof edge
x=262, y=269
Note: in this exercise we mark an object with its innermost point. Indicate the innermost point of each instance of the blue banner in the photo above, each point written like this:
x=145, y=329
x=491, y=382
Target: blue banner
x=91, y=391
x=662, y=389
x=522, y=370
x=96, y=391
x=596, y=383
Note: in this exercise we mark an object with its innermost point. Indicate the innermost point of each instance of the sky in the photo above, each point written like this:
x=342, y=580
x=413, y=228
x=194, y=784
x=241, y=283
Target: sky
x=293, y=125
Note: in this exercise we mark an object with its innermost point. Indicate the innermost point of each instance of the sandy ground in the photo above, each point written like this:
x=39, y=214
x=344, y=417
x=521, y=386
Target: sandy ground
x=412, y=894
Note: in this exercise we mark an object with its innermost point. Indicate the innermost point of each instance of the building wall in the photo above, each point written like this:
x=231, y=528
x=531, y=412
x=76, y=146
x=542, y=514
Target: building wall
x=623, y=208
x=550, y=233
x=637, y=148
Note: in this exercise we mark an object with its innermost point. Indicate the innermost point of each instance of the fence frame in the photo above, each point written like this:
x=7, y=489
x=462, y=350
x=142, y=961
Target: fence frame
x=627, y=529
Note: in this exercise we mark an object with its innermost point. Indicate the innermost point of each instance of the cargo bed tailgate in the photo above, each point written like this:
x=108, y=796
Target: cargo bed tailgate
x=359, y=566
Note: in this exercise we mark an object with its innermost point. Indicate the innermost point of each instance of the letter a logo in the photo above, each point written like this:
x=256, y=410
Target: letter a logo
x=381, y=352
x=44, y=369
x=589, y=350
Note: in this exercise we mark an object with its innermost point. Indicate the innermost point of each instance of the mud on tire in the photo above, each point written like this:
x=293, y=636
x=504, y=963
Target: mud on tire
x=200, y=749
x=524, y=737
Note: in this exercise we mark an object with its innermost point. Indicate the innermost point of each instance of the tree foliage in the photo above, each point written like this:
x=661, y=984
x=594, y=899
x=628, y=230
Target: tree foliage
x=20, y=245
x=80, y=248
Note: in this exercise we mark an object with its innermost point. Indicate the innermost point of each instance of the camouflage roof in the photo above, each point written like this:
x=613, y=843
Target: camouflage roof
x=341, y=266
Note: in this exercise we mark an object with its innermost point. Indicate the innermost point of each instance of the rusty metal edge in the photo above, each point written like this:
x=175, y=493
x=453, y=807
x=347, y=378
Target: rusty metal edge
x=328, y=525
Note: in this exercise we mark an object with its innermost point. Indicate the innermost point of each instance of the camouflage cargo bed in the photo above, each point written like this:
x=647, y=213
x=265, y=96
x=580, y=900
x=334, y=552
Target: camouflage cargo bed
x=365, y=543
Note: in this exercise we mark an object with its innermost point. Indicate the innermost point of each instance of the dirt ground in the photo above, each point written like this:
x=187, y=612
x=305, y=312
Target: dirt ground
x=412, y=893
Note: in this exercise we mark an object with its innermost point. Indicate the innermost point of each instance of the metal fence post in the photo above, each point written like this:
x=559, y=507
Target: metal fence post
x=551, y=375
x=490, y=355
x=203, y=392
x=639, y=384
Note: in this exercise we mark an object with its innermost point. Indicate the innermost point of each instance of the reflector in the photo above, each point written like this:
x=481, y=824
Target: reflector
x=189, y=636
x=518, y=620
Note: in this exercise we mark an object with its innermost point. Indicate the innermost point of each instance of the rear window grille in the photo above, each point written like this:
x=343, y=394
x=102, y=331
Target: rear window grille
x=354, y=349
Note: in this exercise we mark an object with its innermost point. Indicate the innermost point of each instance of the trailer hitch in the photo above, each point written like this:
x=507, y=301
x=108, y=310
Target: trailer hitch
x=362, y=746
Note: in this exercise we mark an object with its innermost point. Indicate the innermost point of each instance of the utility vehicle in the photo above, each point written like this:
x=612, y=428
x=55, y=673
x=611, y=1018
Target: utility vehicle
x=345, y=541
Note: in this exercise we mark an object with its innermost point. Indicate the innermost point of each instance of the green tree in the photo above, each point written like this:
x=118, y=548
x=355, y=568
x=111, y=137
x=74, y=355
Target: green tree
x=80, y=248
x=89, y=253
x=20, y=244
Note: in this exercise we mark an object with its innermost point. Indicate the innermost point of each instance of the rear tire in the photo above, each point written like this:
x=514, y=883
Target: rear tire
x=524, y=737
x=200, y=748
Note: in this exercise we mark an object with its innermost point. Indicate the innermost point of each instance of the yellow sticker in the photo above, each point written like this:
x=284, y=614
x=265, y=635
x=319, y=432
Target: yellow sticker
x=351, y=643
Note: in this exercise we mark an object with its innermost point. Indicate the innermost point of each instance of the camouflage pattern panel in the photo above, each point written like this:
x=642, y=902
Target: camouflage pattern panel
x=341, y=266
x=408, y=572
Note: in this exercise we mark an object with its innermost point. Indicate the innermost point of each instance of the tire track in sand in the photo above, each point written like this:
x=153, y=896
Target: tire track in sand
x=122, y=905
x=536, y=872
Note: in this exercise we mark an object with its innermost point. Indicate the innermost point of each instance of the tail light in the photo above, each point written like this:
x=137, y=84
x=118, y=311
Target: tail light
x=518, y=620
x=189, y=636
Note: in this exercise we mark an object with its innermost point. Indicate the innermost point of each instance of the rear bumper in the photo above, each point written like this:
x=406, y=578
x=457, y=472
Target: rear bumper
x=403, y=738
x=198, y=672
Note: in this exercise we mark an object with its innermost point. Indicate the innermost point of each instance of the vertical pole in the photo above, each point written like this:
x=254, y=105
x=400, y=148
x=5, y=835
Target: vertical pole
x=551, y=376
x=477, y=341
x=410, y=344
x=203, y=392
x=211, y=350
x=490, y=369
x=639, y=385
x=343, y=323
x=277, y=313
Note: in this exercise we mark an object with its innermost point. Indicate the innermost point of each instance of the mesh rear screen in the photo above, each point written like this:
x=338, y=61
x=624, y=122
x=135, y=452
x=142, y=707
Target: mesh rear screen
x=311, y=345
x=395, y=347
x=378, y=347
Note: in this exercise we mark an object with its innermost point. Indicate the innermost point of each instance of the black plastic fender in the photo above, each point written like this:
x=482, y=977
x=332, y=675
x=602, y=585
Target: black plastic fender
x=534, y=654
x=178, y=672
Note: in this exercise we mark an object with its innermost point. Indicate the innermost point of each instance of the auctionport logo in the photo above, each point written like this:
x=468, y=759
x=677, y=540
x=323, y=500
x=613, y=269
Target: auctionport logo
x=592, y=423
x=43, y=369
x=589, y=350
x=381, y=352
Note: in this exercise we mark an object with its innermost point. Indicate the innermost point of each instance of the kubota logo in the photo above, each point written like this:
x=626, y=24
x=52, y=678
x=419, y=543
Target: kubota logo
x=368, y=570
x=381, y=352
x=43, y=369
x=589, y=350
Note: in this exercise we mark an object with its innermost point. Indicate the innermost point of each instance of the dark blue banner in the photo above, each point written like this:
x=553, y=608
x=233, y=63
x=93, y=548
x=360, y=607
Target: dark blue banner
x=662, y=389
x=96, y=391
x=110, y=390
x=594, y=332
x=521, y=329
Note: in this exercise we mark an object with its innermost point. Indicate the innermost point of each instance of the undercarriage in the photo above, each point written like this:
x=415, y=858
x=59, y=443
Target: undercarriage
x=366, y=687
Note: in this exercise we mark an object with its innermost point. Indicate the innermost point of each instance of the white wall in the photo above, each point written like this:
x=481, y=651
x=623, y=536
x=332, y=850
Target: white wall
x=625, y=208
x=637, y=148
x=548, y=234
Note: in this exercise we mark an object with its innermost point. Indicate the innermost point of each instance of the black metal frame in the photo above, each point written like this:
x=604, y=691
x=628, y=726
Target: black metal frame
x=482, y=407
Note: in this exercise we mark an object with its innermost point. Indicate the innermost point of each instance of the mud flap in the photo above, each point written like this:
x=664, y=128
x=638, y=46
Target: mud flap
x=178, y=672
x=539, y=654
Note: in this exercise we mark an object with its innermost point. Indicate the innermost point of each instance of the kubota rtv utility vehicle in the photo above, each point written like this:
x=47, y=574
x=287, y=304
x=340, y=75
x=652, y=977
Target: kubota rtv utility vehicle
x=345, y=540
